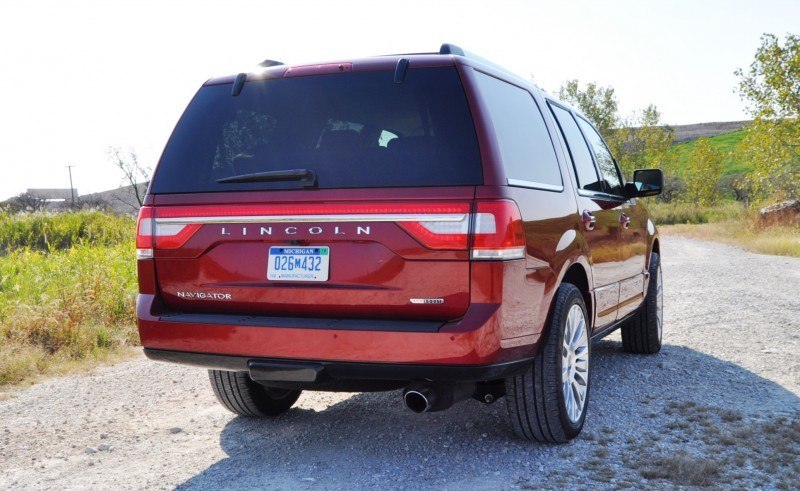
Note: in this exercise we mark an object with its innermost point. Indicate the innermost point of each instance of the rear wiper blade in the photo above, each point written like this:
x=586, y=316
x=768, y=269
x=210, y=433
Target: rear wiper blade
x=307, y=178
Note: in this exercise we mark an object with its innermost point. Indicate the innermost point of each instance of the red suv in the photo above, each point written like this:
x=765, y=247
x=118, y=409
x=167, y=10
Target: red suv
x=425, y=222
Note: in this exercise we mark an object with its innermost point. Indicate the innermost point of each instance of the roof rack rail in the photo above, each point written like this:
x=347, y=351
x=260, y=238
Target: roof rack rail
x=269, y=63
x=452, y=49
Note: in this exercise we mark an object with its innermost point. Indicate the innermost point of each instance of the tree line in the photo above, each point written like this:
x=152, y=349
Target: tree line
x=770, y=88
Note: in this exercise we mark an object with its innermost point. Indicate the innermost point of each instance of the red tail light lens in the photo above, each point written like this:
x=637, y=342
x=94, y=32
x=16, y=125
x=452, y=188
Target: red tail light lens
x=174, y=235
x=496, y=227
x=151, y=235
x=144, y=233
x=498, y=232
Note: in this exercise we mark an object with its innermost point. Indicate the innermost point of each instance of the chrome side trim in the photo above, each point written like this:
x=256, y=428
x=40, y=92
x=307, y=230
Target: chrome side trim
x=534, y=185
x=401, y=217
x=596, y=194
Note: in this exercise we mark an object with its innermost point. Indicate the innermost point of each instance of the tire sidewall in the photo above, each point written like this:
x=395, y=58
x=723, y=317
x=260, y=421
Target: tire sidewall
x=652, y=301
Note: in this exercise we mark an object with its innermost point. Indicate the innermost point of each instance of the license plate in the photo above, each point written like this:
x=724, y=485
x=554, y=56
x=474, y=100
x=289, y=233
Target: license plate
x=298, y=263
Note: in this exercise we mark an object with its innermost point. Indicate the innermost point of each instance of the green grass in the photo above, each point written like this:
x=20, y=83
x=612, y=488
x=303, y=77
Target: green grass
x=50, y=232
x=67, y=299
x=725, y=144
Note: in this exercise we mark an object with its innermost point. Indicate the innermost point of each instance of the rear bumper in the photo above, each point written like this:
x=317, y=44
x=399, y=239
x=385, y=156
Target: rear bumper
x=320, y=373
x=475, y=340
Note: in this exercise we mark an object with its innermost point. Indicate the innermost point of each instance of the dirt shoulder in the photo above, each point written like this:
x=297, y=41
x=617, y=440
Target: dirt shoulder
x=777, y=241
x=720, y=406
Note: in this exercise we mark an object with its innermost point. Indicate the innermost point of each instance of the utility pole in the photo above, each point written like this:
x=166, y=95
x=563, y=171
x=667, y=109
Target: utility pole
x=71, y=188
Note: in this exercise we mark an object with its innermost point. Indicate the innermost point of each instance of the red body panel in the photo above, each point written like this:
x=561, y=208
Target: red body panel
x=372, y=275
x=486, y=334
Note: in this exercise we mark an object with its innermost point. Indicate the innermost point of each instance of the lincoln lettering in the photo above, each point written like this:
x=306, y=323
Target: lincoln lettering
x=294, y=230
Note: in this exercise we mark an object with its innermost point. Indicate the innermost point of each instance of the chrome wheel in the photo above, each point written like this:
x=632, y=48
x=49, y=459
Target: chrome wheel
x=575, y=363
x=659, y=304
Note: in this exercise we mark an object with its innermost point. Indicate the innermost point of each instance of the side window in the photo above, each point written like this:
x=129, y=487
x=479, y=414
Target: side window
x=525, y=145
x=608, y=169
x=578, y=149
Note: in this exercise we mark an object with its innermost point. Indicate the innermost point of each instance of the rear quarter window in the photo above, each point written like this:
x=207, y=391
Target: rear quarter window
x=356, y=129
x=524, y=142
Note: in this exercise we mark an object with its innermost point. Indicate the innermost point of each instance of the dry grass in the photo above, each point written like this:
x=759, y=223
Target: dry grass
x=728, y=443
x=777, y=241
x=67, y=305
x=684, y=469
x=26, y=365
x=691, y=214
x=728, y=222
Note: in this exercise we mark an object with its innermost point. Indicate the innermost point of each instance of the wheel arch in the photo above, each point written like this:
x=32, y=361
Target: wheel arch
x=655, y=246
x=577, y=273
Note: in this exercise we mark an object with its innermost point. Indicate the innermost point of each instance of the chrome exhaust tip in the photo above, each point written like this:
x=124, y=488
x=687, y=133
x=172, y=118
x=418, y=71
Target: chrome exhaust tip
x=424, y=398
x=418, y=401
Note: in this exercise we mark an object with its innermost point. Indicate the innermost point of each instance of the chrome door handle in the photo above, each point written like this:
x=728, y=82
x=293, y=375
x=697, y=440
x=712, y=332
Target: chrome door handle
x=588, y=220
x=625, y=221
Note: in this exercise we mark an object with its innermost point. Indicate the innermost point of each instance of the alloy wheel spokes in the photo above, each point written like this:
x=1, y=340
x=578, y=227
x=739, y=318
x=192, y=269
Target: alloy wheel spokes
x=575, y=363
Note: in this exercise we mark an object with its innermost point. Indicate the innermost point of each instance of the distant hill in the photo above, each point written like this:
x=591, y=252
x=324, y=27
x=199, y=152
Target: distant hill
x=689, y=132
x=725, y=143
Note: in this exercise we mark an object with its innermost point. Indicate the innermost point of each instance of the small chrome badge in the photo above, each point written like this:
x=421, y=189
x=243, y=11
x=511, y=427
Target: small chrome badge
x=427, y=300
x=204, y=295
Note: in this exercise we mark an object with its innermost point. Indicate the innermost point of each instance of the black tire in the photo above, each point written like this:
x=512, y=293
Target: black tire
x=641, y=333
x=240, y=395
x=534, y=398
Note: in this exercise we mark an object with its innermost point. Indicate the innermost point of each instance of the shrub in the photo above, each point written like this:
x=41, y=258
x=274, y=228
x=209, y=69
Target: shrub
x=67, y=293
x=690, y=213
x=50, y=232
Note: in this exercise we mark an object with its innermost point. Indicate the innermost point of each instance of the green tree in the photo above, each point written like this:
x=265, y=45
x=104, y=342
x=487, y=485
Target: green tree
x=596, y=103
x=636, y=142
x=643, y=142
x=771, y=88
x=703, y=173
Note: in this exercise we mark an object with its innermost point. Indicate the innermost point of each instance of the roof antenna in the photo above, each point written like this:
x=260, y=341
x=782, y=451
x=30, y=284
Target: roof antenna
x=238, y=84
x=269, y=63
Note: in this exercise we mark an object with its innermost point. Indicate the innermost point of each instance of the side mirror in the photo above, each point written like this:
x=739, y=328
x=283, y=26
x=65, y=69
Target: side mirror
x=646, y=182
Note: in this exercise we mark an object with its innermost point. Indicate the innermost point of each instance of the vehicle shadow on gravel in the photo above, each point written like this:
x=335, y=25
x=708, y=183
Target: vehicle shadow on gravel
x=679, y=401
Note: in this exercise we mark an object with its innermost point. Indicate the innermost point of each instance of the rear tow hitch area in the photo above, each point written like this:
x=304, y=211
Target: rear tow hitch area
x=431, y=397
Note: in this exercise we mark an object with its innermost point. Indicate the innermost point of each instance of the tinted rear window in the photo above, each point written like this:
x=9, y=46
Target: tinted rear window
x=353, y=130
x=524, y=142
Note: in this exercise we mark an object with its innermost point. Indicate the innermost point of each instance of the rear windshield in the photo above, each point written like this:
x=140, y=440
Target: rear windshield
x=357, y=129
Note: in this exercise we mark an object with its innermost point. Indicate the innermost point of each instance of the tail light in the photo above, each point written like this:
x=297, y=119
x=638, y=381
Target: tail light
x=144, y=233
x=498, y=233
x=151, y=235
x=496, y=225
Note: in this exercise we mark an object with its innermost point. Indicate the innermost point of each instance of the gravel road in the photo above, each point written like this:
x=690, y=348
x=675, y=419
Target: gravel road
x=719, y=406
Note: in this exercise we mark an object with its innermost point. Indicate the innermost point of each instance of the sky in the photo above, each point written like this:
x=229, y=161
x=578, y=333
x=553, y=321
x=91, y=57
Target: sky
x=78, y=77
